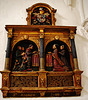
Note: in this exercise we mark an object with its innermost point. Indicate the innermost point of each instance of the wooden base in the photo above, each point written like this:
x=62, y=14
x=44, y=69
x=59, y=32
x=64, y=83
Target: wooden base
x=42, y=92
x=41, y=84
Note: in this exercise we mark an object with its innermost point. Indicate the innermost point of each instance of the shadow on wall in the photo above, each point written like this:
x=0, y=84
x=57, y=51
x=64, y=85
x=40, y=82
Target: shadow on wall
x=71, y=3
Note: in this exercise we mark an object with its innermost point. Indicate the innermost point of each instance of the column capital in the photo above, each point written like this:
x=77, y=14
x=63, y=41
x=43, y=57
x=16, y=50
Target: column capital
x=72, y=34
x=10, y=30
x=41, y=32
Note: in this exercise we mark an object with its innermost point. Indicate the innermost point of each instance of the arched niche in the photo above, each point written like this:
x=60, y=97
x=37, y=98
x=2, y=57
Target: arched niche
x=24, y=38
x=50, y=49
x=41, y=12
x=25, y=44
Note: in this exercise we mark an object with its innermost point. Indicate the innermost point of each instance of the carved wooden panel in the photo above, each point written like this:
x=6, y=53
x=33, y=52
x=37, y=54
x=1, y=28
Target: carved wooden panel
x=59, y=81
x=24, y=81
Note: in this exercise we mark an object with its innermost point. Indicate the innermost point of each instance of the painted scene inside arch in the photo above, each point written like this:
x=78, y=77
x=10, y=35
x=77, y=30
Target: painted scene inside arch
x=26, y=57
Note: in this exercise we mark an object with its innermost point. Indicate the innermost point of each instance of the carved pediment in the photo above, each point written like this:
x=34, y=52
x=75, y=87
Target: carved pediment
x=41, y=14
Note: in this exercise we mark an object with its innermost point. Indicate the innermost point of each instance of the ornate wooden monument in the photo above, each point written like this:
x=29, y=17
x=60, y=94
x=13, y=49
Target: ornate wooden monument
x=41, y=58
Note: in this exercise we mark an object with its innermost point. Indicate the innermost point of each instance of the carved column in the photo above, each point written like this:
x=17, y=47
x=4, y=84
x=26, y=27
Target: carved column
x=73, y=50
x=77, y=72
x=42, y=50
x=8, y=49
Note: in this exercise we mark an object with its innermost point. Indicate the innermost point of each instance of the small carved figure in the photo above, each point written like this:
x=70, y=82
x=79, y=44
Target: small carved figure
x=28, y=55
x=16, y=66
x=23, y=50
x=18, y=55
x=63, y=57
x=24, y=64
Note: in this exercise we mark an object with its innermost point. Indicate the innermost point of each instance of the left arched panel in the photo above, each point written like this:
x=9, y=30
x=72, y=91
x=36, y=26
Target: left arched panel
x=24, y=44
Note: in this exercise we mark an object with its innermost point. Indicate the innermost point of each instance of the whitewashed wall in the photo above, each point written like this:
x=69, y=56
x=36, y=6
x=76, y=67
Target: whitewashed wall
x=13, y=12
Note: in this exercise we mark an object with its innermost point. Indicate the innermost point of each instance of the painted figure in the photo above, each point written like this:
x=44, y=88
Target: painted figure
x=62, y=54
x=16, y=66
x=18, y=55
x=23, y=66
x=25, y=59
x=58, y=63
x=28, y=55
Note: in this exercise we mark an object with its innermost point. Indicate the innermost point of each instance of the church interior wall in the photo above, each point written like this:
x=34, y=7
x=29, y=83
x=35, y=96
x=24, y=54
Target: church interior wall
x=13, y=12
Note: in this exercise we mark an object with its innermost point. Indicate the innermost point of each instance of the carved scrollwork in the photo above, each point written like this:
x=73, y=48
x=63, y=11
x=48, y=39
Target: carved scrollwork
x=5, y=77
x=78, y=80
x=42, y=82
x=58, y=81
x=24, y=81
x=10, y=32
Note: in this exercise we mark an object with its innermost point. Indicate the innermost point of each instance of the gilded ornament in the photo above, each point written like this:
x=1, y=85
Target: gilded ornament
x=10, y=32
x=26, y=36
x=56, y=37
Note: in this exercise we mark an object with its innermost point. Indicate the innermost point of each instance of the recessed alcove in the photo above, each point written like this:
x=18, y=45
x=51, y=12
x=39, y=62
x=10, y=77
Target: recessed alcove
x=49, y=48
x=25, y=44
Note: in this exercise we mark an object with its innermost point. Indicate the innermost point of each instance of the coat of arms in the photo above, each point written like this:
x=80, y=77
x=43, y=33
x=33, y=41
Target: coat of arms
x=41, y=16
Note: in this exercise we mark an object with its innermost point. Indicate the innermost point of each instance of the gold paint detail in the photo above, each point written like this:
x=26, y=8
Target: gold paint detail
x=7, y=60
x=78, y=80
x=26, y=36
x=5, y=93
x=56, y=37
x=41, y=30
x=75, y=63
x=42, y=81
x=42, y=94
x=27, y=33
x=72, y=34
x=10, y=32
x=41, y=33
x=42, y=64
